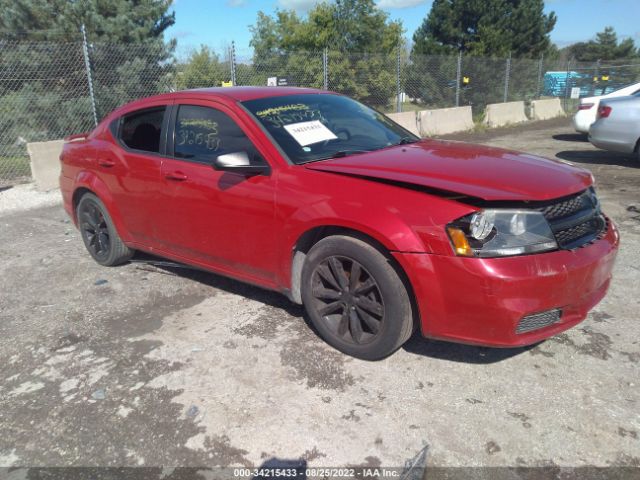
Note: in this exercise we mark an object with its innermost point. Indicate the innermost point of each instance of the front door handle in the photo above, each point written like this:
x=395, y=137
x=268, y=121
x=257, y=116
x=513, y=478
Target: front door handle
x=105, y=162
x=176, y=176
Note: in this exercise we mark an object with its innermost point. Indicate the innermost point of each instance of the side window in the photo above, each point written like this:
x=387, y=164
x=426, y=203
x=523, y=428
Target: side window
x=203, y=133
x=141, y=130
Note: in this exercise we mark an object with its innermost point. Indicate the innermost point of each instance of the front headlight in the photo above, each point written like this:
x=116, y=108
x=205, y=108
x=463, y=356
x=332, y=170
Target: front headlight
x=501, y=233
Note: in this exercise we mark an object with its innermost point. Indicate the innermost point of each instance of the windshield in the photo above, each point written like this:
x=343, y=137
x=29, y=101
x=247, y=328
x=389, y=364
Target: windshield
x=312, y=127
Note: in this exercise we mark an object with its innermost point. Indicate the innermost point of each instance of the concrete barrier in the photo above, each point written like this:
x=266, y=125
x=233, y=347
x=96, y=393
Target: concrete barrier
x=407, y=120
x=545, y=109
x=444, y=120
x=499, y=114
x=45, y=163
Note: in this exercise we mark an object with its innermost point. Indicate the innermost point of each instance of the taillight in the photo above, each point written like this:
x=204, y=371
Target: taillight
x=604, y=111
x=585, y=106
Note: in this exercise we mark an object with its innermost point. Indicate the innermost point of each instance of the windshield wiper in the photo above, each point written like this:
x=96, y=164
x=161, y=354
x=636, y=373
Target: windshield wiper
x=406, y=141
x=340, y=154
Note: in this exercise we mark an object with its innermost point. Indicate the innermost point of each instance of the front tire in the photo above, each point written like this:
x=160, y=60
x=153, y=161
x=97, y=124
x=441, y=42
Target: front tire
x=356, y=298
x=99, y=234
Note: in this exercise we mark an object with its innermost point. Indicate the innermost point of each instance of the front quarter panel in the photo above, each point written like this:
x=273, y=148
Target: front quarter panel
x=401, y=219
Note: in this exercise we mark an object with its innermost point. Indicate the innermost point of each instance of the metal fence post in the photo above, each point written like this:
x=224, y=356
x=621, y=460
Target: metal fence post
x=566, y=86
x=398, y=83
x=232, y=61
x=325, y=68
x=507, y=73
x=87, y=66
x=596, y=76
x=539, y=85
x=458, y=77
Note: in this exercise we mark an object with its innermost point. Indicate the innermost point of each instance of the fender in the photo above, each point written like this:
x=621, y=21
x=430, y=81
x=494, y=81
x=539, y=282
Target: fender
x=90, y=181
x=394, y=236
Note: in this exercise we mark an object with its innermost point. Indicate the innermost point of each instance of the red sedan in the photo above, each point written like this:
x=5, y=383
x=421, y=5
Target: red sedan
x=377, y=232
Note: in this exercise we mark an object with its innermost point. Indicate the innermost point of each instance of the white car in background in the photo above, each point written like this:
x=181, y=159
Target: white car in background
x=588, y=107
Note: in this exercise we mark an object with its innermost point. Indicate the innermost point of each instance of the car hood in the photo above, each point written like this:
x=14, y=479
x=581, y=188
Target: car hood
x=473, y=170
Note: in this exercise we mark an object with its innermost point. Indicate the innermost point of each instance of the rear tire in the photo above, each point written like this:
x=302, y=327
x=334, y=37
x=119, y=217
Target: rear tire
x=356, y=298
x=99, y=234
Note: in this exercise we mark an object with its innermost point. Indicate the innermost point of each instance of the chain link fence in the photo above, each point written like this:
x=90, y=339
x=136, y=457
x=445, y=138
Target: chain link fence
x=50, y=90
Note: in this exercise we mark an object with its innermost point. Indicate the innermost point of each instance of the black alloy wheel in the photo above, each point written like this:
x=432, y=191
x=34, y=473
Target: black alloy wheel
x=348, y=299
x=356, y=298
x=99, y=235
x=94, y=228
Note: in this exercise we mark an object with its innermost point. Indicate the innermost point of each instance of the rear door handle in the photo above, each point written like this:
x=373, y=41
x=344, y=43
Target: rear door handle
x=176, y=176
x=104, y=162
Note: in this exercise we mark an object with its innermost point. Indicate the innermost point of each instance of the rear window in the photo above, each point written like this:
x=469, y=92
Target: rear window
x=141, y=130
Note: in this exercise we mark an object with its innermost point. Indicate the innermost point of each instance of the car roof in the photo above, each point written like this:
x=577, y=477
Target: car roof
x=234, y=94
x=239, y=94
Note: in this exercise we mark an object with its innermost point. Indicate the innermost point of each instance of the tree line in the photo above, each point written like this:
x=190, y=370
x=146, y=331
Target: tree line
x=130, y=57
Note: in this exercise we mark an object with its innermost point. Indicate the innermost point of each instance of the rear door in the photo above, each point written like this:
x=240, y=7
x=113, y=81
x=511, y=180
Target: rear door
x=223, y=219
x=131, y=168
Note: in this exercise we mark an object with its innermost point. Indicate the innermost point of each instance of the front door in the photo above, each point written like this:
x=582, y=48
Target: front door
x=225, y=220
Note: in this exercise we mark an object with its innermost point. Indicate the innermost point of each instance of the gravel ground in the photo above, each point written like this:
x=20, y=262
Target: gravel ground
x=26, y=197
x=139, y=365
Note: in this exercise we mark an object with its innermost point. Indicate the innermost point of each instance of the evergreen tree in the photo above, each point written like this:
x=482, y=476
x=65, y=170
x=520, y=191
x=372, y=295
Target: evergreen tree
x=486, y=28
x=41, y=44
x=604, y=47
x=115, y=21
x=481, y=28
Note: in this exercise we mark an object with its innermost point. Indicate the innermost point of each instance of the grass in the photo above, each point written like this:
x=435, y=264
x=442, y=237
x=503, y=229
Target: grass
x=14, y=166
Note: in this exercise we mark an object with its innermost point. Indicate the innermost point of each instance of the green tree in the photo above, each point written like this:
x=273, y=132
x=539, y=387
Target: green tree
x=488, y=28
x=604, y=47
x=361, y=38
x=42, y=48
x=203, y=68
x=117, y=21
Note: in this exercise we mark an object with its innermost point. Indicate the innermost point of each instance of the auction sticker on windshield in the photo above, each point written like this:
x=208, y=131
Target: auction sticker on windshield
x=307, y=133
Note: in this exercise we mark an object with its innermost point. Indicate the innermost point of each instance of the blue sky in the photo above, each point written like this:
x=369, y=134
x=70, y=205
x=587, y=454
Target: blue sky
x=217, y=22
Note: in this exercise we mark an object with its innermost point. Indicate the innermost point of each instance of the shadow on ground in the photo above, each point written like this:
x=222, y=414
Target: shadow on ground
x=416, y=345
x=455, y=352
x=598, y=157
x=571, y=137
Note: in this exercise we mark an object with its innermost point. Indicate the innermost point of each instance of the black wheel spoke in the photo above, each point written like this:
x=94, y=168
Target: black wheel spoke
x=372, y=323
x=87, y=227
x=369, y=305
x=355, y=326
x=94, y=215
x=343, y=326
x=325, y=273
x=354, y=278
x=103, y=241
x=330, y=308
x=326, y=293
x=88, y=220
x=365, y=286
x=338, y=272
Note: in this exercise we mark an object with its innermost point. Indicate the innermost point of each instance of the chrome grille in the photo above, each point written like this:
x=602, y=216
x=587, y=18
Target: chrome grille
x=538, y=320
x=576, y=221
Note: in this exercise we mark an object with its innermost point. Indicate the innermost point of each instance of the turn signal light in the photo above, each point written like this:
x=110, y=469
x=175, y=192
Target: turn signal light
x=585, y=106
x=460, y=242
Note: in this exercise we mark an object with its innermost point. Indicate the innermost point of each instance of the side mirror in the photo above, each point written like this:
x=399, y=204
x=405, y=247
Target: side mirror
x=239, y=162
